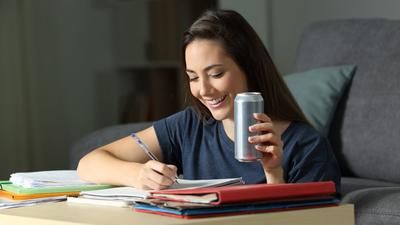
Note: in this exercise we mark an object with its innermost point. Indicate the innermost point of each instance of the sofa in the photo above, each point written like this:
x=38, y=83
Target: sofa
x=366, y=123
x=365, y=126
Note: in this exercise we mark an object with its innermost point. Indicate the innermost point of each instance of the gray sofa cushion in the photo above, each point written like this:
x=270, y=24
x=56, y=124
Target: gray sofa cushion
x=378, y=206
x=100, y=138
x=350, y=184
x=366, y=126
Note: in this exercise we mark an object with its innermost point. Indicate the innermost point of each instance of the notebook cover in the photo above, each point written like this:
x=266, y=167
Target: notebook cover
x=13, y=196
x=229, y=214
x=4, y=182
x=43, y=190
x=258, y=192
x=225, y=210
x=181, y=205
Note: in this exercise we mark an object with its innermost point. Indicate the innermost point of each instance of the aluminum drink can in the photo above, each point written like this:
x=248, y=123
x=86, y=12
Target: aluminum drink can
x=246, y=104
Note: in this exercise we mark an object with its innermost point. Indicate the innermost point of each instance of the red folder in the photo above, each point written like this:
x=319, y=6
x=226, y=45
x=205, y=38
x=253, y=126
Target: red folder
x=256, y=192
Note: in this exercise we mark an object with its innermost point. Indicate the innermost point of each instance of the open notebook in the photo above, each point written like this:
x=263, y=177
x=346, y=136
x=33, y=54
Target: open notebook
x=50, y=178
x=132, y=194
x=40, y=184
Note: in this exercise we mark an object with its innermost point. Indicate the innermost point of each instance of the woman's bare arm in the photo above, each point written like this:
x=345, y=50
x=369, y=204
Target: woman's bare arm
x=123, y=162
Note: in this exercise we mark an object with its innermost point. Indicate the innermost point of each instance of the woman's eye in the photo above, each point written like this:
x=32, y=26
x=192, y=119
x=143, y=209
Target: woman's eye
x=193, y=78
x=216, y=75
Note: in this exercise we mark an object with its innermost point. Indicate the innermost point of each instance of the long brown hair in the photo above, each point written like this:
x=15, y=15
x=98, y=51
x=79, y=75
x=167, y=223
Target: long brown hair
x=243, y=45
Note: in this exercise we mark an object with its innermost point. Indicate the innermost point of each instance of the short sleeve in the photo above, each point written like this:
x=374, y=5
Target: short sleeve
x=314, y=161
x=171, y=133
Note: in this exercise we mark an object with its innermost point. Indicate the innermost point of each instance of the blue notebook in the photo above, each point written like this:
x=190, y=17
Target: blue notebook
x=232, y=209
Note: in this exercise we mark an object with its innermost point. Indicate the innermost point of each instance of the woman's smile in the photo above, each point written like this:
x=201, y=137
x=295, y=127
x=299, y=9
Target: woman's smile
x=216, y=102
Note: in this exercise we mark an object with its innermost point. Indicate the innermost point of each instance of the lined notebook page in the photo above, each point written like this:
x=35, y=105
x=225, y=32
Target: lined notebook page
x=130, y=193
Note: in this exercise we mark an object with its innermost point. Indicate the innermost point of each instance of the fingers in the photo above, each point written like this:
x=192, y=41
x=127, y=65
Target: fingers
x=261, y=117
x=272, y=156
x=268, y=143
x=265, y=123
x=163, y=169
x=266, y=138
x=152, y=185
x=274, y=151
x=156, y=175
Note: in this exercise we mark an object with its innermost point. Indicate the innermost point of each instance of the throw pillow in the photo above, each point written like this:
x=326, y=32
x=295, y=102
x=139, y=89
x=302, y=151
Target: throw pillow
x=318, y=91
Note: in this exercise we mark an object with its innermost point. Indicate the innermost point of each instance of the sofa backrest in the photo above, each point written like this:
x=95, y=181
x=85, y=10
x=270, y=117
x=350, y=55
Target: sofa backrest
x=365, y=132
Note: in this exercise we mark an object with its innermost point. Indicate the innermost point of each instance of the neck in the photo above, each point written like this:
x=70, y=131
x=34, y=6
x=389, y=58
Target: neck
x=229, y=127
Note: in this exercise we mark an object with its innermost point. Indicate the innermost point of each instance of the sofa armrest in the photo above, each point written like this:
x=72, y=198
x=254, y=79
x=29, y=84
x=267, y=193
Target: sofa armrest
x=376, y=205
x=101, y=137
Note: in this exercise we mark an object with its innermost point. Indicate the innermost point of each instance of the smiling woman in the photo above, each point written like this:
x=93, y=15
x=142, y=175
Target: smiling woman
x=223, y=56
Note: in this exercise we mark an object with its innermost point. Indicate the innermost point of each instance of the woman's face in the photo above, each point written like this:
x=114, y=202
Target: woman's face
x=215, y=79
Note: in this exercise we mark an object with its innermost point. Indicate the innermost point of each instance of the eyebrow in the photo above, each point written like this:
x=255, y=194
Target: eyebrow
x=206, y=68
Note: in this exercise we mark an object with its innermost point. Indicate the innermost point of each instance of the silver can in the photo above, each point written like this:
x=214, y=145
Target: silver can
x=246, y=104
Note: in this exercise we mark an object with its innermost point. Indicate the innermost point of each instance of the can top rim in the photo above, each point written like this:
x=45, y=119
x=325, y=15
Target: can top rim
x=249, y=93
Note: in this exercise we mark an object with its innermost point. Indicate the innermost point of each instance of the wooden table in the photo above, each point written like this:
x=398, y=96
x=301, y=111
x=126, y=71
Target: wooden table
x=64, y=213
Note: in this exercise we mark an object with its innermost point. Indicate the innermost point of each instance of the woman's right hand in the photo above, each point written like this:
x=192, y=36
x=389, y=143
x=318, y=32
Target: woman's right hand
x=155, y=175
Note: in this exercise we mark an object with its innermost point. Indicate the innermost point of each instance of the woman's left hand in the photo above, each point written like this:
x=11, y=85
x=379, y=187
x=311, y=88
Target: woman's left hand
x=268, y=142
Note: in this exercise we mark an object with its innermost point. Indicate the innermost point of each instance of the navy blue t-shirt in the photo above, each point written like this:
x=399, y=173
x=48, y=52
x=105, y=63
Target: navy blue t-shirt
x=202, y=150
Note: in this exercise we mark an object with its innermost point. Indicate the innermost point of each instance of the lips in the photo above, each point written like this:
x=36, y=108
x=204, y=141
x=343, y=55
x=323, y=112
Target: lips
x=216, y=102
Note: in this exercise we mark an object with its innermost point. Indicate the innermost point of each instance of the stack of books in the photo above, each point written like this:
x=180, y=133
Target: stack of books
x=127, y=196
x=44, y=186
x=241, y=199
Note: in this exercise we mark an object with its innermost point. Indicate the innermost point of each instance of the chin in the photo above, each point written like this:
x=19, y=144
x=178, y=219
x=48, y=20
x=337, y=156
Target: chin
x=219, y=115
x=218, y=118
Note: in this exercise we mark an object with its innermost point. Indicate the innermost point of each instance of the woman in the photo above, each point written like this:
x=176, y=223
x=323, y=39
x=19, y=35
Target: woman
x=223, y=56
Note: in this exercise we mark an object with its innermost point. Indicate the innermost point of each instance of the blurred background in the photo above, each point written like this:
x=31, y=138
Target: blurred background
x=70, y=67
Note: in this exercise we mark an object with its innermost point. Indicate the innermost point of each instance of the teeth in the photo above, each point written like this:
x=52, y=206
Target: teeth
x=218, y=100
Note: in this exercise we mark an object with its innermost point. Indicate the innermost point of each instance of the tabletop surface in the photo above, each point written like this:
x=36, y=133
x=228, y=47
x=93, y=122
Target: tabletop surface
x=76, y=213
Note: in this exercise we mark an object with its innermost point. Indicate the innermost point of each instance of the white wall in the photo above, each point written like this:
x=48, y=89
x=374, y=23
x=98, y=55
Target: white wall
x=280, y=22
x=55, y=57
x=14, y=141
x=256, y=12
x=289, y=18
x=131, y=32
x=73, y=54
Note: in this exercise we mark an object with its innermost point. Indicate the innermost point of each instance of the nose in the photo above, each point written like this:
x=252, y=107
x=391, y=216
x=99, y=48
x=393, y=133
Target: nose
x=205, y=87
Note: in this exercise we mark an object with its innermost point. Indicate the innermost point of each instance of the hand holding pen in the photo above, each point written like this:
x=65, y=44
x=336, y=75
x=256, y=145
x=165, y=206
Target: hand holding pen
x=155, y=165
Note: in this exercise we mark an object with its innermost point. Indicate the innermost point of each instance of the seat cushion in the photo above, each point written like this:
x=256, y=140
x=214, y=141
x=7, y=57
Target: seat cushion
x=376, y=206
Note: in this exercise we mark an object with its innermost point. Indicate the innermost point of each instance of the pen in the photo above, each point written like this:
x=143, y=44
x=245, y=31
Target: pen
x=146, y=150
